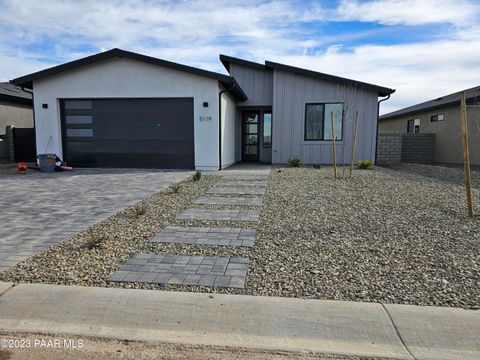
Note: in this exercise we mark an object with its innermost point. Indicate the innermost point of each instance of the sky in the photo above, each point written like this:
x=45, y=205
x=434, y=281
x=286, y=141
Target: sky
x=422, y=48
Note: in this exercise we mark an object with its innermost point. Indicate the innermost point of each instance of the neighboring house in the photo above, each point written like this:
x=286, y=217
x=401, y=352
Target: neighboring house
x=15, y=111
x=15, y=107
x=122, y=109
x=441, y=117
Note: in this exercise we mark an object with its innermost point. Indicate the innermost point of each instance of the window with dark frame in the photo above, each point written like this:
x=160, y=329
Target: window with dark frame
x=318, y=125
x=438, y=117
x=267, y=130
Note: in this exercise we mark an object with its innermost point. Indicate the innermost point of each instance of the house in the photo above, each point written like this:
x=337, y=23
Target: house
x=441, y=117
x=122, y=109
x=15, y=111
x=15, y=107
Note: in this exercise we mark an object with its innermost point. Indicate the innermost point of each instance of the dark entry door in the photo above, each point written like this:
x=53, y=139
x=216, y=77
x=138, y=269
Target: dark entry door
x=250, y=141
x=142, y=133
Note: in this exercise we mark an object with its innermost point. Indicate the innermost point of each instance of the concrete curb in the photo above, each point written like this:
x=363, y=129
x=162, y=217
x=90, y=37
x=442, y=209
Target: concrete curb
x=242, y=321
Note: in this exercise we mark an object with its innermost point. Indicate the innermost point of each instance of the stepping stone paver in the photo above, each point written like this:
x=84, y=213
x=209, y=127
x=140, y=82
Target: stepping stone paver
x=229, y=200
x=217, y=271
x=241, y=183
x=220, y=214
x=245, y=177
x=222, y=236
x=237, y=191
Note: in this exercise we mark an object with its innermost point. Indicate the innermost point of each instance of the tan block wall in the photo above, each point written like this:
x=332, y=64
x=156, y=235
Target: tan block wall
x=15, y=115
x=448, y=140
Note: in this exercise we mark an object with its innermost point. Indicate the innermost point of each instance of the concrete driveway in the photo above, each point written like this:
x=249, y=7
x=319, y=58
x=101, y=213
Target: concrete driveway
x=39, y=210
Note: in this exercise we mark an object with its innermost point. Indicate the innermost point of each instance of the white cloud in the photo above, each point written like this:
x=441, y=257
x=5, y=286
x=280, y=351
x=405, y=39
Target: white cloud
x=196, y=32
x=419, y=72
x=409, y=12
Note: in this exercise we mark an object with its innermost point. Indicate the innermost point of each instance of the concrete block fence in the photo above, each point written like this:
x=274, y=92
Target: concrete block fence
x=389, y=149
x=393, y=148
x=418, y=148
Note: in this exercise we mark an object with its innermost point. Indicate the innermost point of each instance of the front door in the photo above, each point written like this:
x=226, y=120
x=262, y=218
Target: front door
x=250, y=138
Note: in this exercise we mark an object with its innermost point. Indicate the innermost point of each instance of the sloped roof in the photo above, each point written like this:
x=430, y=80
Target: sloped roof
x=226, y=60
x=382, y=91
x=227, y=81
x=10, y=92
x=440, y=102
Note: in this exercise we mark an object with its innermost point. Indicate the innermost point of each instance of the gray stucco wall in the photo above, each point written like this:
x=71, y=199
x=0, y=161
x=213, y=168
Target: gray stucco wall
x=15, y=115
x=290, y=94
x=257, y=84
x=448, y=140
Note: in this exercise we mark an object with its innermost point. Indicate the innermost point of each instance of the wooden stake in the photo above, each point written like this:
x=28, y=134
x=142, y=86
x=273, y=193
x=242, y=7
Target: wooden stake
x=354, y=144
x=466, y=155
x=334, y=149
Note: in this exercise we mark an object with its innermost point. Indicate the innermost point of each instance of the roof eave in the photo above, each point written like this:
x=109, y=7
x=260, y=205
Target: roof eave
x=16, y=99
x=226, y=60
x=382, y=91
x=27, y=80
x=234, y=89
x=415, y=111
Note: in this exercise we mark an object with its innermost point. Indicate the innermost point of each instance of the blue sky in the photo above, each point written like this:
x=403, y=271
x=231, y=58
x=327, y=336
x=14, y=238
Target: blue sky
x=422, y=48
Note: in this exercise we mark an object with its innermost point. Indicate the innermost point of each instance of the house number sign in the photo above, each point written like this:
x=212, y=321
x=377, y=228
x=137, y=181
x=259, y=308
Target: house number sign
x=205, y=118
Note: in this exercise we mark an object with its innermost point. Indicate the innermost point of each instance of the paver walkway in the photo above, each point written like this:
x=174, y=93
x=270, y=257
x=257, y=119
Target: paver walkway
x=220, y=214
x=241, y=183
x=222, y=236
x=196, y=270
x=229, y=200
x=39, y=210
x=237, y=191
x=220, y=271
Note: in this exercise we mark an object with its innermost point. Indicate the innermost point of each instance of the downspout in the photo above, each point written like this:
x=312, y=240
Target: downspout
x=220, y=124
x=378, y=121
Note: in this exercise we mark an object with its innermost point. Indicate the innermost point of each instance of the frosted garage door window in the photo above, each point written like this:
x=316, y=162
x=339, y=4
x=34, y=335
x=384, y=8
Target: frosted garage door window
x=78, y=104
x=80, y=132
x=78, y=119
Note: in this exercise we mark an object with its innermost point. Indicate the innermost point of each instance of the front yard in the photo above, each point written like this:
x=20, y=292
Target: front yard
x=386, y=235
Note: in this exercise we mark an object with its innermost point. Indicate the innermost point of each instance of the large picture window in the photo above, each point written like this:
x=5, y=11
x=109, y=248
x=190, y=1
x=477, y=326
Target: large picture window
x=318, y=123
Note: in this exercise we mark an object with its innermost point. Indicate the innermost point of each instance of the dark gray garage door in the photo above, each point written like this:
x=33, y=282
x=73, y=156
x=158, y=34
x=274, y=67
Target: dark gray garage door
x=154, y=133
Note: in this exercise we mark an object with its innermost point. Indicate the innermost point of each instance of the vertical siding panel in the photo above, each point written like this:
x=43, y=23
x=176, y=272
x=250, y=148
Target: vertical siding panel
x=269, y=87
x=257, y=84
x=289, y=94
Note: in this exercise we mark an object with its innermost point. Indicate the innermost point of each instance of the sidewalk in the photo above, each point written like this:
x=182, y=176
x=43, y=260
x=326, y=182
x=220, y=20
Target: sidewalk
x=368, y=329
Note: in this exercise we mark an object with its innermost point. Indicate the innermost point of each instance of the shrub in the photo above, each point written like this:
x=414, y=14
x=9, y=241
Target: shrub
x=295, y=161
x=197, y=176
x=94, y=239
x=365, y=164
x=175, y=188
x=140, y=210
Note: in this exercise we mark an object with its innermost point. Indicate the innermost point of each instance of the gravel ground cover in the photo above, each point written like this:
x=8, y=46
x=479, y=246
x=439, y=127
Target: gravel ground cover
x=393, y=236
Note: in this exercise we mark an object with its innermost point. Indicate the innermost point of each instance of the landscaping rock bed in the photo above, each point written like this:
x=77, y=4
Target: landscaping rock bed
x=383, y=236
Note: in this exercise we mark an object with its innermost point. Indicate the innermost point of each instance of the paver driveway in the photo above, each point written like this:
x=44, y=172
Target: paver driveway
x=39, y=210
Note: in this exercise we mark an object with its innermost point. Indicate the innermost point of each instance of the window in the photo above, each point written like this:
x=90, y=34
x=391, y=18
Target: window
x=78, y=119
x=318, y=124
x=438, y=117
x=413, y=126
x=78, y=104
x=267, y=130
x=79, y=132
